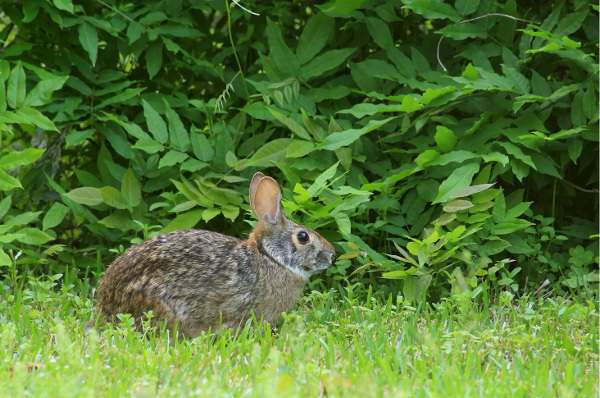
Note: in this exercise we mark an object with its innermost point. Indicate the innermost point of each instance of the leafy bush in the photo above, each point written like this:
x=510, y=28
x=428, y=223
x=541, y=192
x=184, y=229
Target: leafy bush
x=468, y=160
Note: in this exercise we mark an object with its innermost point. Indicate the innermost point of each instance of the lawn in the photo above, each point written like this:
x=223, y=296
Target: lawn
x=333, y=344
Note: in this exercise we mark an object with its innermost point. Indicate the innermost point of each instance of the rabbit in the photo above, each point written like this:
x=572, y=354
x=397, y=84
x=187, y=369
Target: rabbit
x=203, y=280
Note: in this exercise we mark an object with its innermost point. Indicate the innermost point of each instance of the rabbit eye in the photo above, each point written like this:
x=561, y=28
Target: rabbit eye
x=302, y=237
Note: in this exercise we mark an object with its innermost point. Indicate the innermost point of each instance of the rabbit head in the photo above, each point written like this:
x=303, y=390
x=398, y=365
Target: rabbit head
x=297, y=248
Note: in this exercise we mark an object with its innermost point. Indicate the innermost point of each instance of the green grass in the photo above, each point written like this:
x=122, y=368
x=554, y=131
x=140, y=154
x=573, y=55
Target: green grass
x=333, y=344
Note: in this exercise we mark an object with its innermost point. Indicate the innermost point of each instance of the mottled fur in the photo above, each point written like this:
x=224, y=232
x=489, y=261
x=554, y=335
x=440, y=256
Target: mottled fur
x=201, y=279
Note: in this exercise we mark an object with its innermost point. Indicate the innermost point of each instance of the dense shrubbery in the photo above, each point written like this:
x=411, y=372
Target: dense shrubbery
x=119, y=119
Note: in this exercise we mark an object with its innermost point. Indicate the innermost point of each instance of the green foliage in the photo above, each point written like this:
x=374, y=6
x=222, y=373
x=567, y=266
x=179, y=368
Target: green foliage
x=154, y=115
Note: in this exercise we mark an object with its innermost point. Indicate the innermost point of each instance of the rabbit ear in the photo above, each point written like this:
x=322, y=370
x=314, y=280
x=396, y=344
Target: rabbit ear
x=253, y=185
x=265, y=198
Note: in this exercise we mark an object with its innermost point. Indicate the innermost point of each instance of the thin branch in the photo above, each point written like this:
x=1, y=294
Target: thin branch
x=245, y=9
x=471, y=20
x=497, y=15
x=437, y=54
x=577, y=187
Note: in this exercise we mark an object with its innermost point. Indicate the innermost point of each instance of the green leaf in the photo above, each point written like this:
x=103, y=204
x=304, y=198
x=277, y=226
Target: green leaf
x=518, y=210
x=518, y=153
x=499, y=210
x=445, y=138
x=291, y=124
x=466, y=7
x=272, y=151
x=324, y=63
x=33, y=236
x=313, y=127
x=410, y=288
x=298, y=149
x=32, y=116
x=120, y=97
x=42, y=92
x=517, y=80
x=4, y=258
x=20, y=158
x=172, y=158
x=343, y=222
x=410, y=104
x=472, y=190
x=508, y=227
x=431, y=94
x=545, y=164
x=367, y=109
x=321, y=180
x=15, y=91
x=314, y=36
x=130, y=189
x=493, y=247
x=303, y=194
x=8, y=183
x=575, y=149
x=201, y=147
x=456, y=181
x=88, y=37
x=380, y=32
x=457, y=205
x=148, y=145
x=85, y=196
x=470, y=72
x=284, y=58
x=184, y=221
x=193, y=165
x=209, y=214
x=118, y=140
x=154, y=58
x=258, y=110
x=230, y=212
x=179, y=135
x=341, y=7
x=118, y=221
x=2, y=97
x=134, y=31
x=66, y=5
x=54, y=216
x=427, y=157
x=5, y=205
x=453, y=157
x=24, y=218
x=112, y=197
x=156, y=124
x=78, y=210
x=131, y=128
x=431, y=9
x=345, y=138
x=463, y=31
x=496, y=157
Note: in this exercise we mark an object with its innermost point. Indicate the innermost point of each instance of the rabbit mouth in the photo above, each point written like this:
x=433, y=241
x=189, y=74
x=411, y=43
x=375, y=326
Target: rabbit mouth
x=322, y=267
x=324, y=261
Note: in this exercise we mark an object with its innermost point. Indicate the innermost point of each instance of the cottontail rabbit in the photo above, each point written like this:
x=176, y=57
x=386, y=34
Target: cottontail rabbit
x=201, y=279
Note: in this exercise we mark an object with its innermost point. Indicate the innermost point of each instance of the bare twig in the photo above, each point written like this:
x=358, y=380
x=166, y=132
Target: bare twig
x=475, y=19
x=245, y=9
x=497, y=15
x=577, y=187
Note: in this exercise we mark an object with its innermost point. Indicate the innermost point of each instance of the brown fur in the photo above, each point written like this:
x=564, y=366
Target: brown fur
x=205, y=280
